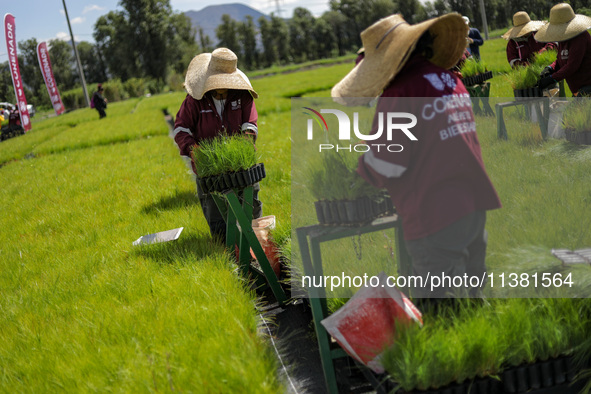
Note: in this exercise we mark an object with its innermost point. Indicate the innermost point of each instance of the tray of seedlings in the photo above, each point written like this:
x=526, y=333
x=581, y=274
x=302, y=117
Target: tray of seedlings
x=524, y=79
x=499, y=346
x=227, y=162
x=474, y=72
x=343, y=197
x=577, y=121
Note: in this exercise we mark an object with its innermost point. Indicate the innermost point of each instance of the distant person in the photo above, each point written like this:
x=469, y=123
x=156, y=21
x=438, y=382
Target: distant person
x=522, y=46
x=220, y=101
x=475, y=40
x=14, y=119
x=14, y=127
x=437, y=183
x=573, y=63
x=99, y=102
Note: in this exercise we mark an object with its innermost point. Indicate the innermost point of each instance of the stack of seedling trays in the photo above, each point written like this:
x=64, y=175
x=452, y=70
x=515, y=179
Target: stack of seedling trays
x=343, y=197
x=353, y=212
x=474, y=72
x=232, y=180
x=477, y=79
x=524, y=79
x=228, y=170
x=512, y=345
x=577, y=121
x=554, y=376
x=528, y=93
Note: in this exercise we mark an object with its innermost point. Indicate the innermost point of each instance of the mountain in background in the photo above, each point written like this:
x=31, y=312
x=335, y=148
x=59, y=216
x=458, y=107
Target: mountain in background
x=211, y=16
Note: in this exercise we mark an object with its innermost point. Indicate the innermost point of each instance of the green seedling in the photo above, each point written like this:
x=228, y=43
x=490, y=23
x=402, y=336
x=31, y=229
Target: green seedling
x=577, y=116
x=474, y=340
x=545, y=58
x=332, y=176
x=224, y=154
x=473, y=67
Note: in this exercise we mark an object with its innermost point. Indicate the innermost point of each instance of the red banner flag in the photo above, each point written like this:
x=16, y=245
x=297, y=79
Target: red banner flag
x=17, y=82
x=45, y=65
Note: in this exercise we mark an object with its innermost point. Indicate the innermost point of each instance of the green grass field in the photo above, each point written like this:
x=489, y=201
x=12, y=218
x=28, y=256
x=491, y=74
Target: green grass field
x=84, y=310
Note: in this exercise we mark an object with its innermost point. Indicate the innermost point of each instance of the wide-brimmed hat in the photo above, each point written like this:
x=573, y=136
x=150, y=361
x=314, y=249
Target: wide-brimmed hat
x=216, y=70
x=563, y=24
x=522, y=25
x=388, y=44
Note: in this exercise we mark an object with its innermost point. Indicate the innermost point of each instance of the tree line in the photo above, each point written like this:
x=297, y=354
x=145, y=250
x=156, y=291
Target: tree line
x=147, y=41
x=337, y=32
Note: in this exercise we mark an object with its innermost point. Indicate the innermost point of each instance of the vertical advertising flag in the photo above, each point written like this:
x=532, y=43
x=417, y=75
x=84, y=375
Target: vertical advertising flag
x=17, y=82
x=45, y=65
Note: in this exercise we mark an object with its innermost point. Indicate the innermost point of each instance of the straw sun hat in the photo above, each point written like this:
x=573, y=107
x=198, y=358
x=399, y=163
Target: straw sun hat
x=388, y=44
x=522, y=25
x=216, y=70
x=563, y=24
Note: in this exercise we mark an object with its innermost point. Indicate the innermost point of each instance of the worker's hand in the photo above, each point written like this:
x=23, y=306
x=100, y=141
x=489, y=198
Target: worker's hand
x=546, y=72
x=470, y=41
x=193, y=151
x=545, y=82
x=251, y=136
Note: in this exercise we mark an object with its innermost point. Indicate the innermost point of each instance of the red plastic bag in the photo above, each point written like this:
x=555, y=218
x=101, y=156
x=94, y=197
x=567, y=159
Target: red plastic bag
x=366, y=325
x=262, y=228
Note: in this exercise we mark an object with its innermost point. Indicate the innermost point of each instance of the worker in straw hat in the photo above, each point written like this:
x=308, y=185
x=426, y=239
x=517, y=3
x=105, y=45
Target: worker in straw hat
x=437, y=182
x=220, y=101
x=573, y=63
x=521, y=45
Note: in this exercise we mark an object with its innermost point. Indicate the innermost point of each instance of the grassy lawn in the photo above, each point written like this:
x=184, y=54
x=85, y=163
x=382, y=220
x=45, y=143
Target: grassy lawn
x=84, y=310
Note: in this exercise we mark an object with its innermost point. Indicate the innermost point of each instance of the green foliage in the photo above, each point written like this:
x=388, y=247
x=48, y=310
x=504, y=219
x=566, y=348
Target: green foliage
x=114, y=90
x=224, y=154
x=74, y=98
x=90, y=58
x=472, y=340
x=144, y=39
x=545, y=58
x=135, y=87
x=247, y=34
x=332, y=176
x=523, y=77
x=473, y=67
x=577, y=115
x=62, y=63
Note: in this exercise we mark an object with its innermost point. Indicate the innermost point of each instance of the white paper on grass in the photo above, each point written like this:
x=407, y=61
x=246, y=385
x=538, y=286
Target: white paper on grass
x=163, y=236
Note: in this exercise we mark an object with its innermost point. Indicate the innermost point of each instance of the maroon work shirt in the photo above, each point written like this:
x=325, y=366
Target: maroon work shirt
x=440, y=177
x=14, y=119
x=198, y=120
x=574, y=62
x=523, y=52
